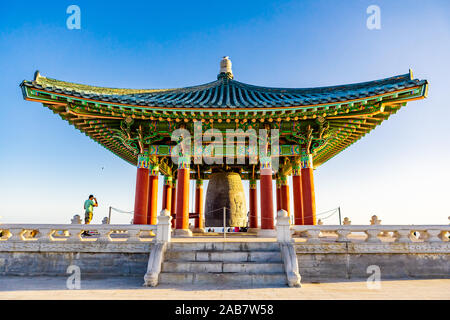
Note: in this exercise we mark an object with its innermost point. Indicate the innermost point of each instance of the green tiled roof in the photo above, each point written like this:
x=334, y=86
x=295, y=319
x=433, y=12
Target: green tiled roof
x=228, y=93
x=350, y=111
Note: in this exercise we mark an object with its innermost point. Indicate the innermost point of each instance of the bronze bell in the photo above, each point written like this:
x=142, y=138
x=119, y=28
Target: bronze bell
x=225, y=190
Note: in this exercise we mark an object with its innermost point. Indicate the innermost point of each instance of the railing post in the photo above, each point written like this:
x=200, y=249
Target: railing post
x=163, y=227
x=287, y=249
x=283, y=227
x=163, y=236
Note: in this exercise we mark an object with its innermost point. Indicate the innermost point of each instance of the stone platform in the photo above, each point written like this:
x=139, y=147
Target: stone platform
x=125, y=288
x=320, y=253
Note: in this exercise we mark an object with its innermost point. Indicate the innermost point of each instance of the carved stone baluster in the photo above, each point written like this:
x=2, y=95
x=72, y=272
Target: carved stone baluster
x=16, y=234
x=372, y=236
x=433, y=235
x=313, y=235
x=342, y=235
x=133, y=235
x=75, y=236
x=46, y=234
x=104, y=235
x=403, y=236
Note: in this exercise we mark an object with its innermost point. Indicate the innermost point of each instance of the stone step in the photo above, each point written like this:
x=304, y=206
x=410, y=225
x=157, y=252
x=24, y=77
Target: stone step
x=221, y=246
x=223, y=256
x=221, y=267
x=222, y=278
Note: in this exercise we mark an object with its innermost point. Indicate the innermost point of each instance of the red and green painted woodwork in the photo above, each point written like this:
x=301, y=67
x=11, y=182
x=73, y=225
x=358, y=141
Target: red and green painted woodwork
x=199, y=221
x=167, y=193
x=297, y=193
x=308, y=196
x=284, y=193
x=182, y=211
x=278, y=193
x=350, y=111
x=152, y=213
x=174, y=202
x=266, y=193
x=253, y=218
x=141, y=195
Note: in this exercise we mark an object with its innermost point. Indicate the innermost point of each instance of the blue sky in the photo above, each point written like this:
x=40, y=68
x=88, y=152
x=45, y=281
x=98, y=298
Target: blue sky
x=399, y=171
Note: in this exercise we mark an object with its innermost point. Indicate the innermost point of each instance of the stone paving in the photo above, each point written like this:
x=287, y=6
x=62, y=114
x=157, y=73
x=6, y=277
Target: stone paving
x=131, y=288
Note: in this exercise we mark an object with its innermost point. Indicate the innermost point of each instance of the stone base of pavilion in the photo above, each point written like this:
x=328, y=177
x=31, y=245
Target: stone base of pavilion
x=201, y=233
x=266, y=233
x=181, y=233
x=339, y=252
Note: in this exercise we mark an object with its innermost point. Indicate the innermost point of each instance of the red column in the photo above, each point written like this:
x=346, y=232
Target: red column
x=199, y=222
x=141, y=195
x=284, y=194
x=253, y=219
x=173, y=207
x=297, y=194
x=278, y=194
x=167, y=194
x=266, y=194
x=308, y=197
x=182, y=211
x=152, y=194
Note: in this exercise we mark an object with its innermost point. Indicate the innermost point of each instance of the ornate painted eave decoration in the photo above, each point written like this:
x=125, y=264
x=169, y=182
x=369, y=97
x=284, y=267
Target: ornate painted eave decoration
x=131, y=121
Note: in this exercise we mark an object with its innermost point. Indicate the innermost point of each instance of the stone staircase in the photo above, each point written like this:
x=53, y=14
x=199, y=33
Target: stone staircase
x=245, y=263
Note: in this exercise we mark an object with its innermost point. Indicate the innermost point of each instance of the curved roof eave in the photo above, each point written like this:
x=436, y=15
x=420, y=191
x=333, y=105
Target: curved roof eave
x=227, y=93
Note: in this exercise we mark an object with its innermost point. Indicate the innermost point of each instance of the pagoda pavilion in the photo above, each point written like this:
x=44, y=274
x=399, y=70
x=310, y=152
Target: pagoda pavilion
x=314, y=124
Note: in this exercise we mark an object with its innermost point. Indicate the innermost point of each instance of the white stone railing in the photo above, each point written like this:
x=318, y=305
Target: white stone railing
x=156, y=258
x=287, y=249
x=374, y=233
x=74, y=233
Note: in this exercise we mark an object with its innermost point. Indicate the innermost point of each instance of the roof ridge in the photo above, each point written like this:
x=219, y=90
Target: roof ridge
x=46, y=81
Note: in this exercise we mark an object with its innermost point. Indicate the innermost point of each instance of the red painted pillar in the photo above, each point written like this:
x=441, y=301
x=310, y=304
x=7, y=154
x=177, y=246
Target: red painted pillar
x=278, y=193
x=266, y=194
x=297, y=194
x=167, y=194
x=253, y=219
x=199, y=222
x=152, y=194
x=308, y=197
x=284, y=194
x=141, y=195
x=182, y=211
x=173, y=207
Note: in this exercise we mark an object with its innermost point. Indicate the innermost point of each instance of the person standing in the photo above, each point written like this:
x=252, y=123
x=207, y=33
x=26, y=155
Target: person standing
x=89, y=205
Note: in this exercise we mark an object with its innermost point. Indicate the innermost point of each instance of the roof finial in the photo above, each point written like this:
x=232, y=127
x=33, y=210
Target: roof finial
x=225, y=68
x=37, y=75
